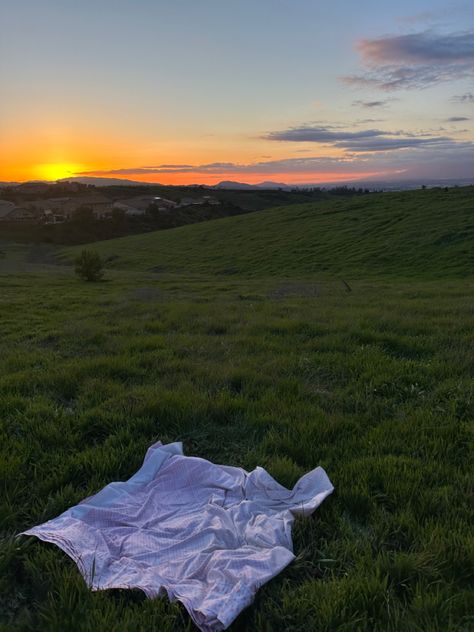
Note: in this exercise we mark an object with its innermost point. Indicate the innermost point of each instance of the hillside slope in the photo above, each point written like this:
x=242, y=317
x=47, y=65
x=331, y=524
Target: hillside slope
x=415, y=233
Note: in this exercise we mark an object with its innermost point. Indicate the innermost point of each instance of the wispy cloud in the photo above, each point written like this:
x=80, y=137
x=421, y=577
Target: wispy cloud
x=360, y=141
x=363, y=153
x=318, y=134
x=468, y=97
x=381, y=103
x=368, y=120
x=419, y=48
x=443, y=158
x=390, y=144
x=267, y=166
x=168, y=167
x=457, y=119
x=415, y=60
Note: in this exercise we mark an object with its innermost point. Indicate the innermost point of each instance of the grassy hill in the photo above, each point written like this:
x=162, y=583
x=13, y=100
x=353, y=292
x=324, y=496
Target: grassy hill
x=85, y=229
x=417, y=233
x=249, y=349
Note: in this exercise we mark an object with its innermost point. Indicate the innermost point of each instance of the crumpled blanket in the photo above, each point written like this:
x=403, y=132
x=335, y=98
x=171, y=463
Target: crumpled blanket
x=208, y=535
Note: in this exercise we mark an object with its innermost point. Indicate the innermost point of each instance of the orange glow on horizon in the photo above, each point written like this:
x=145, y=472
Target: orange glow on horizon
x=188, y=178
x=52, y=171
x=58, y=152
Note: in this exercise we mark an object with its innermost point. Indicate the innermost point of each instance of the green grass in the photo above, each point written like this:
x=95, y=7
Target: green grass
x=287, y=370
x=426, y=233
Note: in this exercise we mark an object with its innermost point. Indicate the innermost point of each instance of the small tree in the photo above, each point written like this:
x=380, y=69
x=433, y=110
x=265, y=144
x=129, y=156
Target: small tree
x=89, y=266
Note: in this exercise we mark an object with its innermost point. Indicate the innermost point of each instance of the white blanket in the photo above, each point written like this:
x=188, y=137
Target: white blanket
x=208, y=535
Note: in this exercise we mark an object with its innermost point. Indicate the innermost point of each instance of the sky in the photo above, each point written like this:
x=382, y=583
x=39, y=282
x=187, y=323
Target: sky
x=199, y=91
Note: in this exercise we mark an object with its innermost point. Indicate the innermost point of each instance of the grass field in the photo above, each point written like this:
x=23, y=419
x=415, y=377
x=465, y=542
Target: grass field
x=239, y=338
x=426, y=233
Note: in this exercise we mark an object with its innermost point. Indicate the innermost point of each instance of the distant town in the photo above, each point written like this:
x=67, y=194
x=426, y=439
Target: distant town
x=77, y=198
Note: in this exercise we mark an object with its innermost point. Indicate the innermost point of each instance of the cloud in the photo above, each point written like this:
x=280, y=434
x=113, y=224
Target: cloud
x=388, y=144
x=368, y=120
x=416, y=60
x=468, y=97
x=359, y=141
x=419, y=48
x=168, y=167
x=318, y=134
x=362, y=153
x=267, y=166
x=389, y=78
x=457, y=119
x=372, y=104
x=443, y=158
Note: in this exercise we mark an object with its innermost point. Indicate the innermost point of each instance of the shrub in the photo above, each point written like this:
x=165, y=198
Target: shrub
x=89, y=266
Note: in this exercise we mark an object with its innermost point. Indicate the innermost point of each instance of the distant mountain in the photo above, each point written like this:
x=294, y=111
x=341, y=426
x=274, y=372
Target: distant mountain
x=268, y=184
x=370, y=183
x=106, y=182
x=229, y=184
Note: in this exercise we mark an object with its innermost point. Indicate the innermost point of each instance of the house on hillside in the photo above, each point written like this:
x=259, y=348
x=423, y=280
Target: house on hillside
x=104, y=212
x=49, y=207
x=199, y=201
x=49, y=217
x=128, y=210
x=21, y=214
x=209, y=199
x=139, y=205
x=51, y=204
x=164, y=203
x=100, y=205
x=188, y=201
x=63, y=208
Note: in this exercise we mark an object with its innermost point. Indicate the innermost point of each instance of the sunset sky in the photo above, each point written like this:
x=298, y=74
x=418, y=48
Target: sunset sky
x=198, y=91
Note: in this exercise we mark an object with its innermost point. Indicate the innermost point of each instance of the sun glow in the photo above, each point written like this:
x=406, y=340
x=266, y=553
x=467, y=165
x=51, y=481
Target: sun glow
x=57, y=170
